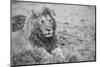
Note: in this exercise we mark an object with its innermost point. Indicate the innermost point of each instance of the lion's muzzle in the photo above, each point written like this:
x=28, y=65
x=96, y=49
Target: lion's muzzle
x=49, y=32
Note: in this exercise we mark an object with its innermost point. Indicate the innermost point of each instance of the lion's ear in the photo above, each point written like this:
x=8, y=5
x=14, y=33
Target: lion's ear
x=53, y=13
x=48, y=10
x=34, y=15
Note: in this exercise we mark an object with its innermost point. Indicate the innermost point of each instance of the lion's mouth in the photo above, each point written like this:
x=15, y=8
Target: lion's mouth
x=48, y=35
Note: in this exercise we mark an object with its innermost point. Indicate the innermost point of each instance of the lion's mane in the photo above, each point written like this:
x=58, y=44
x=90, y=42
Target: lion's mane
x=35, y=35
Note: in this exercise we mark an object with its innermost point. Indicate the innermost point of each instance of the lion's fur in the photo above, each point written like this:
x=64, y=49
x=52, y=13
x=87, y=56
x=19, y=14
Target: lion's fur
x=34, y=34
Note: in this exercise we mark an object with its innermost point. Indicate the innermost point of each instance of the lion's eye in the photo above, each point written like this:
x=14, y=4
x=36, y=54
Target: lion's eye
x=50, y=20
x=42, y=21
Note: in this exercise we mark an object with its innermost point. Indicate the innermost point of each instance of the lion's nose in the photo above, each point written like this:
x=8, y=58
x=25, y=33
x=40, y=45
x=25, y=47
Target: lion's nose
x=48, y=29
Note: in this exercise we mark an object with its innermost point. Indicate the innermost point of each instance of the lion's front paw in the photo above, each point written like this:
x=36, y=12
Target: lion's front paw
x=58, y=55
x=44, y=56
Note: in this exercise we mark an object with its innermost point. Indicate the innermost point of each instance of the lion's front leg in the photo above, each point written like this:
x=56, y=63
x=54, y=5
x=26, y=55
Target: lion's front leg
x=42, y=56
x=58, y=55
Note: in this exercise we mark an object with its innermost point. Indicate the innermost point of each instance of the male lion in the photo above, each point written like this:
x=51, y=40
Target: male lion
x=38, y=38
x=40, y=30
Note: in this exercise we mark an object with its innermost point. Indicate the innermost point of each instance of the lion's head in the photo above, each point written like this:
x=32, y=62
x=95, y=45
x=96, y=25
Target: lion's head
x=40, y=28
x=44, y=22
